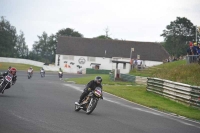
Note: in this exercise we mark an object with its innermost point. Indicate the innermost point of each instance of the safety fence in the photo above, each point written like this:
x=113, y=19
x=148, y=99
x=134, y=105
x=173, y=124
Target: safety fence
x=122, y=77
x=176, y=91
x=94, y=71
x=193, y=59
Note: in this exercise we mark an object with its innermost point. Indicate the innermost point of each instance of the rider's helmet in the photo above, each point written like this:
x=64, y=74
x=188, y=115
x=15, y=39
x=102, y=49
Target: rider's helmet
x=13, y=70
x=9, y=67
x=31, y=68
x=98, y=79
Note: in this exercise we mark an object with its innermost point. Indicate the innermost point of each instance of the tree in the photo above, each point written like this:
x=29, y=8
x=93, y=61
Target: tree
x=177, y=36
x=68, y=32
x=21, y=47
x=8, y=39
x=104, y=36
x=41, y=48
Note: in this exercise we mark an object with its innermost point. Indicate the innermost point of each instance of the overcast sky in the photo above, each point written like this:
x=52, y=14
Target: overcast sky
x=134, y=20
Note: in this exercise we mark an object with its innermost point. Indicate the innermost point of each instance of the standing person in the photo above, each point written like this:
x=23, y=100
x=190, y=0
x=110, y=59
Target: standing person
x=198, y=48
x=90, y=87
x=190, y=52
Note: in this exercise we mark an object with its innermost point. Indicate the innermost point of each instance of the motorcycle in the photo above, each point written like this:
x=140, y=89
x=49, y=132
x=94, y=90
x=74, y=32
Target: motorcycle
x=29, y=74
x=42, y=73
x=4, y=81
x=89, y=103
x=60, y=74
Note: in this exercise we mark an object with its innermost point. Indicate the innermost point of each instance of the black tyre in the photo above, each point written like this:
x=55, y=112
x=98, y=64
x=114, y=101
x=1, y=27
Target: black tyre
x=2, y=87
x=92, y=105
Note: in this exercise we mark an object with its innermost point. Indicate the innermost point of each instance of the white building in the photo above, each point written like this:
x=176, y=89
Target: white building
x=75, y=54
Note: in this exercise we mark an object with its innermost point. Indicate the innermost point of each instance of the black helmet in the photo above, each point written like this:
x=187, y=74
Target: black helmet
x=98, y=79
x=9, y=67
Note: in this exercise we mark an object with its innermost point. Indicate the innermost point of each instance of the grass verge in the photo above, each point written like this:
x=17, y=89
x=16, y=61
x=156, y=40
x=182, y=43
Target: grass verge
x=138, y=94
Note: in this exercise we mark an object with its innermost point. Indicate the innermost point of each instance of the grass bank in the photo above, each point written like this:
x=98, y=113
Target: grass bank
x=18, y=66
x=138, y=94
x=177, y=71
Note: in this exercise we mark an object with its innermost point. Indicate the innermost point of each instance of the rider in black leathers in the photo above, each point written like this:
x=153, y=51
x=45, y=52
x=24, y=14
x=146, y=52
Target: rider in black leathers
x=90, y=87
x=12, y=71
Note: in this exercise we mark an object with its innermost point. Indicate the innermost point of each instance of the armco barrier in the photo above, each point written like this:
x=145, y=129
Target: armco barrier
x=177, y=91
x=127, y=77
x=94, y=71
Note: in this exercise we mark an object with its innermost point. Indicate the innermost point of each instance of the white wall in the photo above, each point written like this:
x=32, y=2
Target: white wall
x=105, y=64
x=29, y=62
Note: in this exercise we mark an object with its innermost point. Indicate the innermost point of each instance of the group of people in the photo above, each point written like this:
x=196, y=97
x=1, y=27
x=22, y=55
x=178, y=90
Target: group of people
x=193, y=51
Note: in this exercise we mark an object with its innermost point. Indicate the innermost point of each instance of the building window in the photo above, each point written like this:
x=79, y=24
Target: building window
x=92, y=59
x=68, y=57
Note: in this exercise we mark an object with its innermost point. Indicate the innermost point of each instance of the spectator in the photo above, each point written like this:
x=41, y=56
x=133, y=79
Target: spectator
x=195, y=47
x=190, y=52
x=198, y=48
x=139, y=63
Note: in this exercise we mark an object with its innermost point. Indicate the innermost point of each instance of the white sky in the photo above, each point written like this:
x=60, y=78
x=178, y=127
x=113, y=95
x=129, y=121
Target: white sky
x=134, y=20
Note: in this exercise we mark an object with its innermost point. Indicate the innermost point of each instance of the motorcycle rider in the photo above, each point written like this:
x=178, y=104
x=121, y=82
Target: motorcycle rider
x=90, y=87
x=30, y=70
x=9, y=68
x=12, y=71
x=60, y=73
x=42, y=70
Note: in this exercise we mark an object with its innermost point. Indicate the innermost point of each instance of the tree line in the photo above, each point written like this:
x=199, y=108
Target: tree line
x=176, y=38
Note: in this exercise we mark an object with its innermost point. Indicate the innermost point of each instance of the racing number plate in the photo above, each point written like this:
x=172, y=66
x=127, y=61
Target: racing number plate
x=8, y=78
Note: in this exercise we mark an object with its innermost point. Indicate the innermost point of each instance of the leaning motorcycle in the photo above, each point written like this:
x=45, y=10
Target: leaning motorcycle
x=89, y=103
x=29, y=74
x=60, y=74
x=42, y=73
x=5, y=81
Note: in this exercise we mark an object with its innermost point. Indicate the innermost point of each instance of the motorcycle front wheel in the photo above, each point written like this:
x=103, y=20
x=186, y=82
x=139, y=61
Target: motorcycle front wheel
x=92, y=105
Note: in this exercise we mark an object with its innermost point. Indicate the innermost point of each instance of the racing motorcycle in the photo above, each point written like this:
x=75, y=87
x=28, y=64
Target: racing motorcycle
x=89, y=103
x=29, y=74
x=4, y=81
x=42, y=73
x=60, y=74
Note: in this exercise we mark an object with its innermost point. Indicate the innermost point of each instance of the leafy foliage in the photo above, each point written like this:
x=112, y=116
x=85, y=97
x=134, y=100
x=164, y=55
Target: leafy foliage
x=8, y=38
x=68, y=32
x=177, y=36
x=103, y=37
x=11, y=45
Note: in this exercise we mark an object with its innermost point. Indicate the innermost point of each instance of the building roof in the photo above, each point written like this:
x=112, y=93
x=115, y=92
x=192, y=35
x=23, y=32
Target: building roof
x=110, y=48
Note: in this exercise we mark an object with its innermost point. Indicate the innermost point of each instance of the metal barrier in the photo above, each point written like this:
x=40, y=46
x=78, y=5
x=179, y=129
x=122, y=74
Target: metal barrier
x=176, y=91
x=193, y=59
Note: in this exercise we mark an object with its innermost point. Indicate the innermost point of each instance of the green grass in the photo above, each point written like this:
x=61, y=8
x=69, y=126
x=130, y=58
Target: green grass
x=105, y=77
x=138, y=94
x=5, y=65
x=177, y=71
